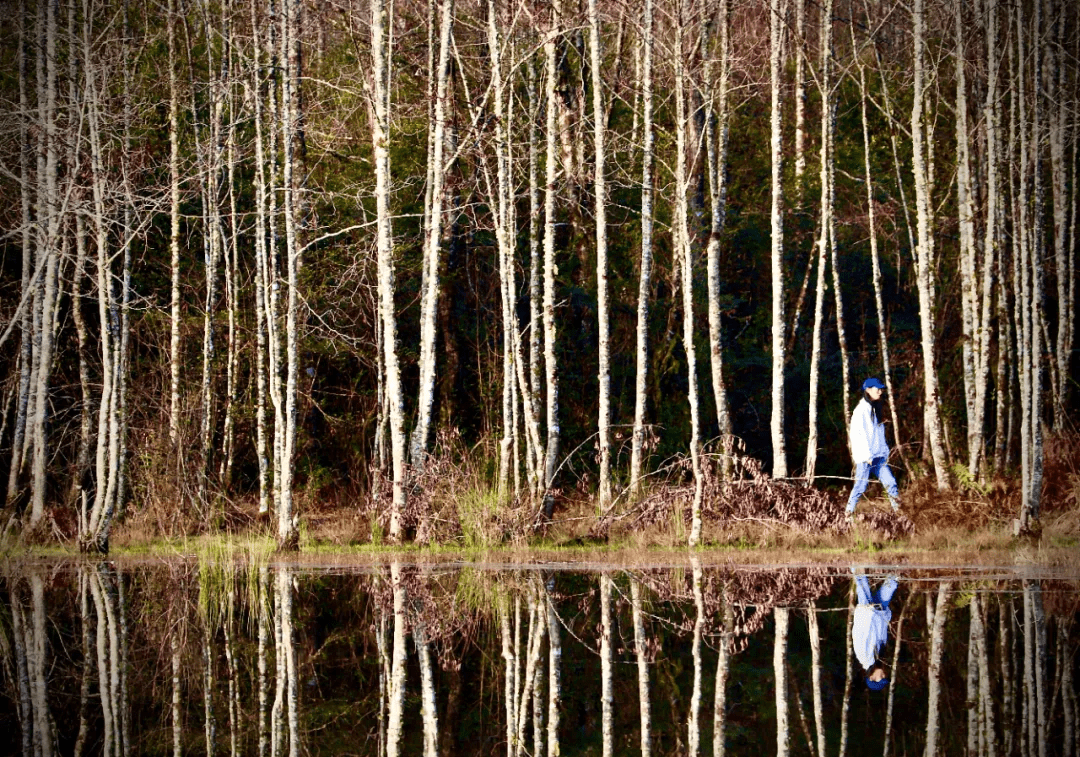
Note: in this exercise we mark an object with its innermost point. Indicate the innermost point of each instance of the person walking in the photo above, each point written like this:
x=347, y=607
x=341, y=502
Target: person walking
x=870, y=628
x=869, y=449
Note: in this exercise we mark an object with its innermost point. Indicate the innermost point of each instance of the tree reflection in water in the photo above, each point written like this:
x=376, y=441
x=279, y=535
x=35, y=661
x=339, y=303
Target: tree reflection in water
x=446, y=660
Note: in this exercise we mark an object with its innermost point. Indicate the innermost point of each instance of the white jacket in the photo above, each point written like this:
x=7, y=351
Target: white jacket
x=867, y=438
x=869, y=631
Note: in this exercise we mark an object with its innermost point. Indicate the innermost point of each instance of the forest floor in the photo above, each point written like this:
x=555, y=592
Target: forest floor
x=747, y=518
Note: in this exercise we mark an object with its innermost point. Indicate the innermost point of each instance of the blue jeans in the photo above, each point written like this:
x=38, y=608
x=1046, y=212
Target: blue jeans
x=879, y=468
x=880, y=597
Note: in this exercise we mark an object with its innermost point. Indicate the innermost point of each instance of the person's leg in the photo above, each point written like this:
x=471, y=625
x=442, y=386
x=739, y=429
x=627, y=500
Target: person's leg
x=862, y=478
x=885, y=476
x=885, y=592
x=862, y=586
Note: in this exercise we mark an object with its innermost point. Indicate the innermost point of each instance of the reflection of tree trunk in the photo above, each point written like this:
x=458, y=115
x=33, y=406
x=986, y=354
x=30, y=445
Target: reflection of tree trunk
x=986, y=700
x=972, y=701
x=606, y=663
x=846, y=707
x=1033, y=603
x=264, y=633
x=554, y=677
x=693, y=723
x=427, y=692
x=937, y=648
x=526, y=686
x=22, y=667
x=720, y=695
x=642, y=668
x=892, y=683
x=1006, y=613
x=397, y=669
x=87, y=642
x=384, y=678
x=1027, y=727
x=509, y=686
x=233, y=684
x=783, y=729
x=1068, y=692
x=177, y=728
x=815, y=668
x=288, y=652
x=210, y=721
x=36, y=665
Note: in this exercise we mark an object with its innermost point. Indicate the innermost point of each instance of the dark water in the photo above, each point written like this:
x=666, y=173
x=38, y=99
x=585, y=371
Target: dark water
x=240, y=658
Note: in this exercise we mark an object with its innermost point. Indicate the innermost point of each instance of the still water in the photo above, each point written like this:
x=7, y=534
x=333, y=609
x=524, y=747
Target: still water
x=224, y=657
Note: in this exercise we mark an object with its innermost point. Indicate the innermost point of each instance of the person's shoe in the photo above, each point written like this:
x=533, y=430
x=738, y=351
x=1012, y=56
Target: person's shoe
x=849, y=517
x=895, y=502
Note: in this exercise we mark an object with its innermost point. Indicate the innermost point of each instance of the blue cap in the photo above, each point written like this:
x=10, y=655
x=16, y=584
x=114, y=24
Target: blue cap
x=877, y=685
x=872, y=383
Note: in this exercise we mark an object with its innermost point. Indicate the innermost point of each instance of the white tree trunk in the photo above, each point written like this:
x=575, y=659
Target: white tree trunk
x=48, y=235
x=26, y=333
x=645, y=277
x=717, y=156
x=777, y=13
x=551, y=168
x=925, y=267
x=600, y=210
x=432, y=237
x=380, y=137
x=682, y=247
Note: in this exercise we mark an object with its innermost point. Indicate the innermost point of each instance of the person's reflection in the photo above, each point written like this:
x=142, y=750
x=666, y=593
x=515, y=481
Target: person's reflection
x=870, y=628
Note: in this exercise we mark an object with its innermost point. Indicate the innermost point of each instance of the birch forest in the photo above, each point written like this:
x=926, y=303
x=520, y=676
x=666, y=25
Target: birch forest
x=258, y=256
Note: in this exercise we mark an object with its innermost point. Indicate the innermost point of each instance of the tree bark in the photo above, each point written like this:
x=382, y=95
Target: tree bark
x=717, y=155
x=551, y=167
x=432, y=237
x=682, y=246
x=637, y=455
x=925, y=266
x=380, y=138
x=600, y=189
x=777, y=13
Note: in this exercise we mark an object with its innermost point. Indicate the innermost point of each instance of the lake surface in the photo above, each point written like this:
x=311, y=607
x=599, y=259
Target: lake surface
x=197, y=657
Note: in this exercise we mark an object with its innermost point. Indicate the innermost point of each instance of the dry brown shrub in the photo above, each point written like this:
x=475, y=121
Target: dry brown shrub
x=451, y=500
x=740, y=506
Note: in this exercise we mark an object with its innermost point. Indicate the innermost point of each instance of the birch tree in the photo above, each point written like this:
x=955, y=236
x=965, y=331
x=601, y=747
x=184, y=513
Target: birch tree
x=683, y=251
x=777, y=13
x=26, y=333
x=717, y=155
x=645, y=276
x=432, y=238
x=551, y=170
x=600, y=189
x=379, y=91
x=924, y=263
